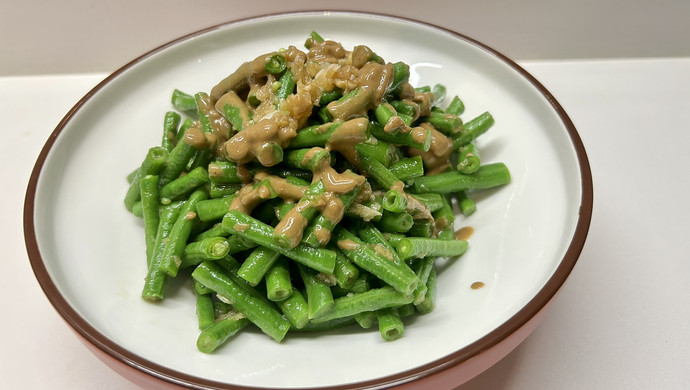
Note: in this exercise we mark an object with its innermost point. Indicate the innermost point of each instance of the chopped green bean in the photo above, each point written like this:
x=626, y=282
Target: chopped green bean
x=257, y=264
x=171, y=121
x=256, y=310
x=152, y=165
x=422, y=247
x=487, y=176
x=220, y=332
x=278, y=283
x=177, y=239
x=390, y=326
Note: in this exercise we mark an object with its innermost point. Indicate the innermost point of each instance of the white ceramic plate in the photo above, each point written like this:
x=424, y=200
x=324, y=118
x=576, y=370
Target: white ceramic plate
x=88, y=251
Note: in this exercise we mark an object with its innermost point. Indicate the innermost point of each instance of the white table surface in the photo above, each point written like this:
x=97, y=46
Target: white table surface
x=620, y=322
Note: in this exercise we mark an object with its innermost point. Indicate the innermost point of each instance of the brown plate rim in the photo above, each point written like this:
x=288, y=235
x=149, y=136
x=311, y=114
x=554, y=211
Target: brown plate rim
x=493, y=338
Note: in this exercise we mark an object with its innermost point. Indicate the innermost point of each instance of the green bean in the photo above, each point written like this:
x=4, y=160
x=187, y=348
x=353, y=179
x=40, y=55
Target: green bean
x=371, y=300
x=214, y=209
x=289, y=173
x=421, y=228
x=183, y=102
x=205, y=312
x=255, y=309
x=365, y=319
x=406, y=107
x=222, y=190
x=394, y=238
x=287, y=85
x=276, y=64
x=177, y=161
x=447, y=124
x=382, y=152
x=422, y=268
x=468, y=159
x=171, y=121
x=317, y=135
x=445, y=216
x=236, y=116
x=257, y=264
x=406, y=310
x=319, y=295
x=216, y=230
x=313, y=38
x=224, y=172
x=132, y=175
x=396, y=201
x=201, y=289
x=150, y=213
x=390, y=326
x=427, y=305
x=364, y=282
x=473, y=129
x=282, y=209
x=154, y=284
x=375, y=169
x=320, y=259
x=439, y=91
x=487, y=176
x=177, y=239
x=401, y=75
x=208, y=249
x=421, y=247
x=395, y=222
x=466, y=203
x=220, y=332
x=238, y=244
x=345, y=272
x=408, y=168
x=152, y=165
x=295, y=309
x=183, y=185
x=278, y=283
x=373, y=236
x=456, y=106
x=220, y=308
x=329, y=325
x=329, y=96
x=399, y=276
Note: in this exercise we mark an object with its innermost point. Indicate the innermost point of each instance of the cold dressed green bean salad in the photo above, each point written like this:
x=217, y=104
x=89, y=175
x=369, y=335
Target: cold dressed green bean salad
x=309, y=190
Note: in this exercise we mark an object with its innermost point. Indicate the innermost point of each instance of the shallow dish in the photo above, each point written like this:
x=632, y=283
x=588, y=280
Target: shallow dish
x=87, y=250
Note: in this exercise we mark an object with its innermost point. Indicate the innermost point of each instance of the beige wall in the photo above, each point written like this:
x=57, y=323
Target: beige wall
x=68, y=36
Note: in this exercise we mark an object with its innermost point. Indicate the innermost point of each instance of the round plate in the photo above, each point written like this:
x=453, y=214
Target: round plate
x=88, y=252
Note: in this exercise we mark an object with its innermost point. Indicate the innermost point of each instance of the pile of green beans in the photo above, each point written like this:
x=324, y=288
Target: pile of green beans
x=373, y=266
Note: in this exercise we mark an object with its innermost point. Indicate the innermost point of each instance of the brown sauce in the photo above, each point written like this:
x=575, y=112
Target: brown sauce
x=436, y=158
x=268, y=125
x=346, y=136
x=347, y=245
x=477, y=285
x=464, y=233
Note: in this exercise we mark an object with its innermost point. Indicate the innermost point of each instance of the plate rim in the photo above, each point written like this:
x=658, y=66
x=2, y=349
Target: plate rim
x=486, y=342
